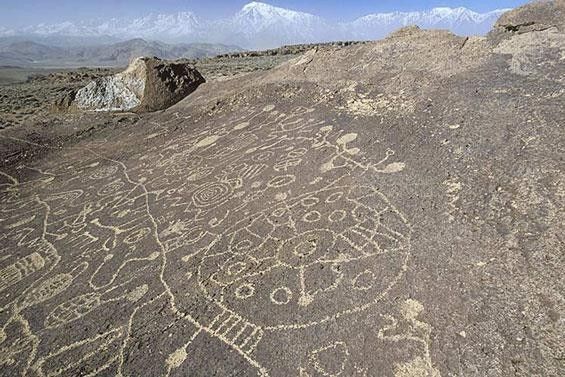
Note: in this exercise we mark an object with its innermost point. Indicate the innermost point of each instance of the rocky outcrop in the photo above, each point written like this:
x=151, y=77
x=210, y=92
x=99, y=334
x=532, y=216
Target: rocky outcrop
x=167, y=83
x=148, y=84
x=538, y=15
x=394, y=209
x=532, y=36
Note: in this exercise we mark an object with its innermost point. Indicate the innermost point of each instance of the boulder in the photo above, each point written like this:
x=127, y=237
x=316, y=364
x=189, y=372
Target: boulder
x=535, y=16
x=148, y=84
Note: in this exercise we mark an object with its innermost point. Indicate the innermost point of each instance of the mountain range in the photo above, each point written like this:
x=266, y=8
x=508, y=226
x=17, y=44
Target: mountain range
x=256, y=26
x=28, y=53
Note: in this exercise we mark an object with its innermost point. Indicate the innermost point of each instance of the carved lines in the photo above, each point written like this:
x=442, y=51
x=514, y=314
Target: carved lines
x=236, y=331
x=21, y=269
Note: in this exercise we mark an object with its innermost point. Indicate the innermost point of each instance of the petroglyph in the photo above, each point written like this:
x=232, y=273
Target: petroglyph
x=404, y=331
x=48, y=289
x=418, y=332
x=176, y=359
x=222, y=222
x=73, y=309
x=296, y=221
x=360, y=237
x=453, y=188
x=338, y=354
x=361, y=104
x=246, y=240
x=24, y=267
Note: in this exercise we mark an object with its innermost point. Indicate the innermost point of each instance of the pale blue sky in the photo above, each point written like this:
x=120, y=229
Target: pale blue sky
x=17, y=13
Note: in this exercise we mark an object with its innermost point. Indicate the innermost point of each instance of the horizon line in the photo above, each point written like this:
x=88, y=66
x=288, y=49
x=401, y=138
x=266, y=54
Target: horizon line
x=206, y=19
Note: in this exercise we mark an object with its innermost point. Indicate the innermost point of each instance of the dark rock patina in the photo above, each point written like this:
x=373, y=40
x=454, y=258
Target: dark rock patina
x=386, y=209
x=147, y=84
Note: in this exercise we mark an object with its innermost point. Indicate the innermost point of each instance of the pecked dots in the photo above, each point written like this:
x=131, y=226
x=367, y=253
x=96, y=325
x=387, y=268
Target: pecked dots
x=103, y=172
x=364, y=281
x=48, y=289
x=281, y=181
x=111, y=188
x=281, y=296
x=337, y=216
x=279, y=212
x=236, y=268
x=137, y=236
x=242, y=246
x=312, y=217
x=244, y=291
x=334, y=197
x=309, y=202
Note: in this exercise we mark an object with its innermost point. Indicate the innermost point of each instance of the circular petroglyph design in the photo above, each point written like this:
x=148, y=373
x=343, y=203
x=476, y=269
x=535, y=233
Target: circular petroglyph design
x=255, y=225
x=293, y=259
x=244, y=291
x=281, y=296
x=103, y=172
x=111, y=188
x=287, y=241
x=211, y=194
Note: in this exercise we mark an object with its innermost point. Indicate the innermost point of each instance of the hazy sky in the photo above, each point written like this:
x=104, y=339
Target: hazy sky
x=17, y=13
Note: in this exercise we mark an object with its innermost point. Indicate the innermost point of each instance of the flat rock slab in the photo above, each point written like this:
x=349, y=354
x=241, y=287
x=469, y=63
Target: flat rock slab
x=291, y=225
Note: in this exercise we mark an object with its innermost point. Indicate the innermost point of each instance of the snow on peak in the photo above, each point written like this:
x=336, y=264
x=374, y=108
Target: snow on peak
x=261, y=25
x=257, y=10
x=256, y=5
x=459, y=20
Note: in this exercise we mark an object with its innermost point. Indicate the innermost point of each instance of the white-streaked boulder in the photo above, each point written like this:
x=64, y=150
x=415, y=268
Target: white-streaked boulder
x=148, y=84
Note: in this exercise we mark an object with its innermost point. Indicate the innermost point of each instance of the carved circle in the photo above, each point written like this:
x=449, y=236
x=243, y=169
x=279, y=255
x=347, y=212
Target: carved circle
x=103, y=172
x=211, y=194
x=281, y=296
x=244, y=291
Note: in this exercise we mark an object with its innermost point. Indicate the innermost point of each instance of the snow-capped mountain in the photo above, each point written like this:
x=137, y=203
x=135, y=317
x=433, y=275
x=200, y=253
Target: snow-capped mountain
x=6, y=32
x=259, y=25
x=260, y=16
x=164, y=26
x=459, y=20
x=161, y=26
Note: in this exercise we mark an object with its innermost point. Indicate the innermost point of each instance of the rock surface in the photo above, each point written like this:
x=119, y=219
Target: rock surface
x=537, y=15
x=388, y=209
x=148, y=84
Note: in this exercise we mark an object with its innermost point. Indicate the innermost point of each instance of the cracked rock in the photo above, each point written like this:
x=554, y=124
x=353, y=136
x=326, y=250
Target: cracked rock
x=148, y=84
